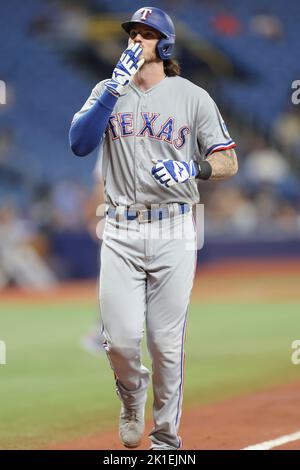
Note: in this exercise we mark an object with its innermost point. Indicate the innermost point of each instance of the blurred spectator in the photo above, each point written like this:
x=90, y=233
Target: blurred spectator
x=287, y=219
x=68, y=201
x=266, y=24
x=68, y=22
x=73, y=21
x=20, y=261
x=265, y=200
x=227, y=24
x=228, y=210
x=287, y=130
x=265, y=164
x=6, y=143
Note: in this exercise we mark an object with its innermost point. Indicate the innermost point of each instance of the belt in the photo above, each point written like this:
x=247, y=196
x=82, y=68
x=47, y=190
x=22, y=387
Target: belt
x=148, y=215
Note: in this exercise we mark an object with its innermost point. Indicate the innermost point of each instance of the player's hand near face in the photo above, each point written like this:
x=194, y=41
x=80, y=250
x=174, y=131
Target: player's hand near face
x=130, y=62
x=170, y=172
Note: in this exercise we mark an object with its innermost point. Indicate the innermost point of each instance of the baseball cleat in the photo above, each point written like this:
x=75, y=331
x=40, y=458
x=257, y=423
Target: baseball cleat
x=131, y=426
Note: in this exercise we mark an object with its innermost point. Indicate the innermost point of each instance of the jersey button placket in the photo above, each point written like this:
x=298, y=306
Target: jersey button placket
x=140, y=150
x=137, y=151
x=143, y=109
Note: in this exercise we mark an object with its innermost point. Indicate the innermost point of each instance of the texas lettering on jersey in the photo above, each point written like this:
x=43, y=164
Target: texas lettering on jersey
x=121, y=125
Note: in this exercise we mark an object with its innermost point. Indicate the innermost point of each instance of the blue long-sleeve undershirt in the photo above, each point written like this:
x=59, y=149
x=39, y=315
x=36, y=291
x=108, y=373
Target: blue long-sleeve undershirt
x=87, y=131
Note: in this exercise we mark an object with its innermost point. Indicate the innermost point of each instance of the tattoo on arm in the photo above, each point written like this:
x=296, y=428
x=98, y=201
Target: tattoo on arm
x=224, y=164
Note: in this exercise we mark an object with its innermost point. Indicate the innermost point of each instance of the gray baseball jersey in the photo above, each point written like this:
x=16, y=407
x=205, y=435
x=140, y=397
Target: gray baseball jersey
x=173, y=120
x=147, y=274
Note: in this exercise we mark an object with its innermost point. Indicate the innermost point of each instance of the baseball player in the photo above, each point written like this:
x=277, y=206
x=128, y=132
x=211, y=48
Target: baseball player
x=159, y=134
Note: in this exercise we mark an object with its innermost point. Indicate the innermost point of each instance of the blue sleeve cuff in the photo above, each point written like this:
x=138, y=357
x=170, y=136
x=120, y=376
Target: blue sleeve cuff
x=107, y=100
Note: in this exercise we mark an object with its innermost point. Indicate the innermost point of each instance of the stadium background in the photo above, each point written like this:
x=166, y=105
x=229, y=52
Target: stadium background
x=245, y=307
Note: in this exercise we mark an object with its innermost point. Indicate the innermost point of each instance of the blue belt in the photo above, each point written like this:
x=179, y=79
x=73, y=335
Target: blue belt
x=148, y=215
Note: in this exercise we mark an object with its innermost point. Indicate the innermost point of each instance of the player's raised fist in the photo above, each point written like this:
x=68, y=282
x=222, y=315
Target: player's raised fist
x=130, y=62
x=170, y=172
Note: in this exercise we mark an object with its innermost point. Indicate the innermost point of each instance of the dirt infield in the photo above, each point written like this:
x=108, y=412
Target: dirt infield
x=232, y=424
x=234, y=275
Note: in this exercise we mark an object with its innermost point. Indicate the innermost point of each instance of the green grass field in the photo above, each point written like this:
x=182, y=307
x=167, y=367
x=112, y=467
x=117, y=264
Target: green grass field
x=51, y=390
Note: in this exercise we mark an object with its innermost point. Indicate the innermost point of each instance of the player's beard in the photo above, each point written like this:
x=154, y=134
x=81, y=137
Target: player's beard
x=152, y=59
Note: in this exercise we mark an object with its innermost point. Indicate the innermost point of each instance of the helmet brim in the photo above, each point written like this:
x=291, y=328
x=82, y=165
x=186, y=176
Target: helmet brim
x=128, y=25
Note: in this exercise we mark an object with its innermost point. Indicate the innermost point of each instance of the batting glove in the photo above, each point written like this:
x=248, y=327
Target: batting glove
x=170, y=172
x=128, y=65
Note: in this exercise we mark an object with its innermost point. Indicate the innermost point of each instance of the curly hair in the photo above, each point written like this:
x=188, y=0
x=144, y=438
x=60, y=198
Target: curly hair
x=171, y=68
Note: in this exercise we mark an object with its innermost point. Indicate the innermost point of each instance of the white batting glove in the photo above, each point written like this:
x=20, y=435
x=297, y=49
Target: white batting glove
x=128, y=65
x=170, y=172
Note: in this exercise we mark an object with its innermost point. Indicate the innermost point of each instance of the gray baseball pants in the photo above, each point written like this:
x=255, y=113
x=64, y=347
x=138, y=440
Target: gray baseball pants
x=147, y=272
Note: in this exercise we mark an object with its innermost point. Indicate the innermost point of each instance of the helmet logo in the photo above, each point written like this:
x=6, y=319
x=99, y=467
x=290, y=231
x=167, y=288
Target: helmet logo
x=145, y=13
